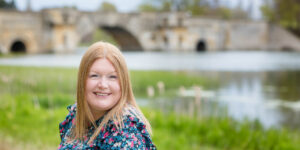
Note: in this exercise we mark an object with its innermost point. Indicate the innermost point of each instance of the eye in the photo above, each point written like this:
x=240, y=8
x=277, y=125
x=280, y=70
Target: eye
x=113, y=77
x=93, y=76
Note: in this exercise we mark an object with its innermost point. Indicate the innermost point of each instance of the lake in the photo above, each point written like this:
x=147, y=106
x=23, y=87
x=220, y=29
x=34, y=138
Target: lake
x=259, y=85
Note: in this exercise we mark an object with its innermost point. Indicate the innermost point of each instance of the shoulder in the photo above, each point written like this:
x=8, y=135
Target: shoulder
x=132, y=120
x=133, y=134
x=66, y=124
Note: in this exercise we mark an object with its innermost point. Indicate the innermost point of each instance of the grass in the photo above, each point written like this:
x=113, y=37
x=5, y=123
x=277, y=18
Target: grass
x=218, y=133
x=9, y=55
x=33, y=101
x=47, y=81
x=172, y=81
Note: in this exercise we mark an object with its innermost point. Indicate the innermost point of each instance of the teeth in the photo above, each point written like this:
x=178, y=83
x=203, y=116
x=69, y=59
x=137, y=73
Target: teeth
x=102, y=94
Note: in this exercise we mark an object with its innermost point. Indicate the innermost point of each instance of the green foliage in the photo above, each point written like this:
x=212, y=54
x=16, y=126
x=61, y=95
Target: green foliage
x=283, y=12
x=156, y=6
x=108, y=7
x=147, y=8
x=225, y=13
x=100, y=35
x=7, y=5
x=37, y=80
x=181, y=132
x=24, y=121
x=289, y=12
x=268, y=13
x=195, y=8
x=166, y=6
x=2, y=3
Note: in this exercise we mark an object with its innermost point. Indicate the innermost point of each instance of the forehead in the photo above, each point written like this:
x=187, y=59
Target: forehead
x=102, y=65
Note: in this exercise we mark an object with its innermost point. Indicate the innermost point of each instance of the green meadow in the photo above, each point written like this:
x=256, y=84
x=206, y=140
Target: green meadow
x=33, y=101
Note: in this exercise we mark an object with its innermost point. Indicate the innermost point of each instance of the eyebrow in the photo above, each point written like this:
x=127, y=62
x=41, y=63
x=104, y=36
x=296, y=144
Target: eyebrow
x=108, y=73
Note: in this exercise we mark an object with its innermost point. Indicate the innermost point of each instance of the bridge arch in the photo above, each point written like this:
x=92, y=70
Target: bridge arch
x=126, y=40
x=18, y=46
x=201, y=46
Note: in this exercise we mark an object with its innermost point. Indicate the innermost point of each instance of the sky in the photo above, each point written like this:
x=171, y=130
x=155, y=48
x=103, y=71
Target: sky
x=87, y=5
x=122, y=5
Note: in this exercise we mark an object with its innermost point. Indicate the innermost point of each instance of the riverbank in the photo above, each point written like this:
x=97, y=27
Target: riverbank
x=33, y=101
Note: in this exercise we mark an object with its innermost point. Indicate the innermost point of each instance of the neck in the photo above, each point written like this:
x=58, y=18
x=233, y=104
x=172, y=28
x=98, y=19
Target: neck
x=97, y=115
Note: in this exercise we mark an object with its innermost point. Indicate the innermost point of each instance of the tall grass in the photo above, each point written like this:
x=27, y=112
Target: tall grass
x=33, y=101
x=172, y=80
x=181, y=132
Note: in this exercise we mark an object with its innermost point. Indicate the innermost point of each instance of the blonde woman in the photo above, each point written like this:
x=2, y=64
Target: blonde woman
x=106, y=115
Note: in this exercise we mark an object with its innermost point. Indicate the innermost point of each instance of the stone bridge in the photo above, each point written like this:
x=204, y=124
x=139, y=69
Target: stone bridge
x=60, y=30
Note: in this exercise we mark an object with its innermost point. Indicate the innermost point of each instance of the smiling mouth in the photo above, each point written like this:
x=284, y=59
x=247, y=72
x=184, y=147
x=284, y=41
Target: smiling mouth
x=102, y=94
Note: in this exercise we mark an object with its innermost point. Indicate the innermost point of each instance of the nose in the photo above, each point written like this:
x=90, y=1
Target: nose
x=102, y=83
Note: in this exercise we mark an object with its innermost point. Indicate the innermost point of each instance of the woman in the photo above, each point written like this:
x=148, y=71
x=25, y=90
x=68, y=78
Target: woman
x=106, y=115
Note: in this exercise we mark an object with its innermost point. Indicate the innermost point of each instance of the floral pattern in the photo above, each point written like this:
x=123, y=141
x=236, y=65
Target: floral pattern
x=133, y=135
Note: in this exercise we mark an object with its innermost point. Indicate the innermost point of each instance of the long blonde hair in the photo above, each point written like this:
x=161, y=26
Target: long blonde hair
x=84, y=116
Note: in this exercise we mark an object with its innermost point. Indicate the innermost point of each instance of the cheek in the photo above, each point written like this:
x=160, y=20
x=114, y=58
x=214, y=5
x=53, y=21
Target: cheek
x=116, y=88
x=90, y=84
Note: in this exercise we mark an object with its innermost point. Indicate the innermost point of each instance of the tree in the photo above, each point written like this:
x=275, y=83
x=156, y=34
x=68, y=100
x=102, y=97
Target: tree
x=7, y=5
x=108, y=7
x=225, y=13
x=12, y=4
x=195, y=8
x=146, y=7
x=2, y=4
x=283, y=12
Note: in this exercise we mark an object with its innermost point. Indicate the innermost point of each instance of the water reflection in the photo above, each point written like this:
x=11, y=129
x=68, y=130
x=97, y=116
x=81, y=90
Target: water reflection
x=271, y=97
x=284, y=85
x=289, y=118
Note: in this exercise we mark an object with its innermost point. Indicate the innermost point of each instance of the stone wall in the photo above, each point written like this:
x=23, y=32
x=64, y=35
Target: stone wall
x=281, y=39
x=60, y=30
x=20, y=27
x=246, y=36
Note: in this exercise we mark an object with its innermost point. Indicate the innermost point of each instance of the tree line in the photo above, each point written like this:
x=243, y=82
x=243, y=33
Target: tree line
x=283, y=12
x=7, y=4
x=208, y=8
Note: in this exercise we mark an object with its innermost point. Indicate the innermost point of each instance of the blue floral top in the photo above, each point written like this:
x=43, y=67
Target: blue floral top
x=133, y=135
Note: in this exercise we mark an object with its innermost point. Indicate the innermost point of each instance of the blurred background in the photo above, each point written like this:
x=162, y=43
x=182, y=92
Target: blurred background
x=208, y=74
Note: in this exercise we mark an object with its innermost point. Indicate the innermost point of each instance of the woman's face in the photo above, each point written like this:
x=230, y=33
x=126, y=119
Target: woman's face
x=102, y=87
